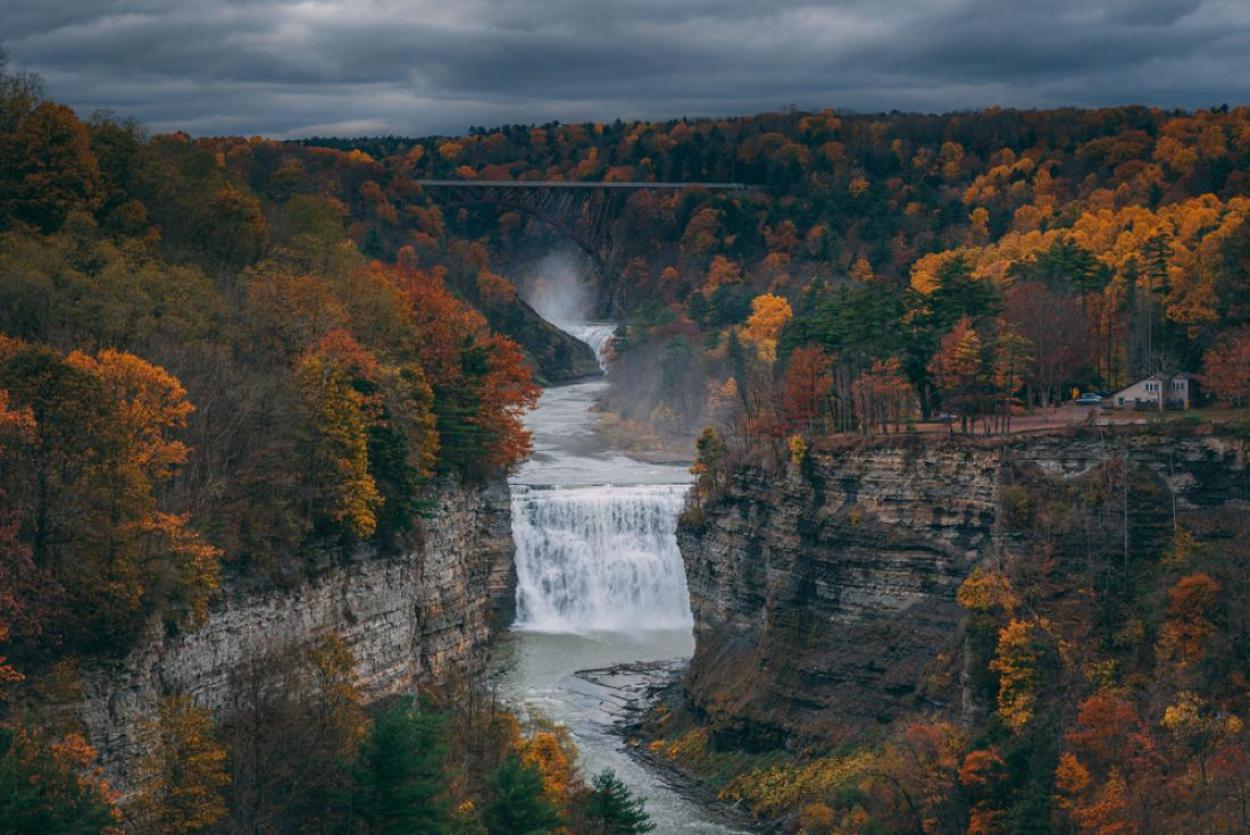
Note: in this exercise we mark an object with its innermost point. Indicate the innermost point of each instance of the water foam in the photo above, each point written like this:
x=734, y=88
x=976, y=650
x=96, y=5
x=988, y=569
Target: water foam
x=595, y=334
x=599, y=558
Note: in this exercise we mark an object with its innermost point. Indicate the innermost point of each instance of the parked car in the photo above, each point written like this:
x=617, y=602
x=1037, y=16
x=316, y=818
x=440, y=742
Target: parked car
x=1089, y=399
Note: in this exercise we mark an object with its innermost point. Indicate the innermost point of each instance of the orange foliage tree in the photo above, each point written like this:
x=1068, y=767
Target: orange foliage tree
x=183, y=774
x=769, y=314
x=957, y=369
x=102, y=445
x=1188, y=626
x=884, y=397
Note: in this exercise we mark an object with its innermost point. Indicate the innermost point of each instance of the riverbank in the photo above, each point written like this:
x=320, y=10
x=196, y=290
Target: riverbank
x=631, y=692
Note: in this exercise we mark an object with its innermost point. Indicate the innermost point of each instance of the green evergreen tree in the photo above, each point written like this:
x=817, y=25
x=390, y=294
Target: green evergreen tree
x=611, y=808
x=958, y=294
x=399, y=773
x=518, y=806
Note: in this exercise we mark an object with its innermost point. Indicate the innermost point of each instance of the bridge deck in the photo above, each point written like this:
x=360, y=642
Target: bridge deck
x=579, y=184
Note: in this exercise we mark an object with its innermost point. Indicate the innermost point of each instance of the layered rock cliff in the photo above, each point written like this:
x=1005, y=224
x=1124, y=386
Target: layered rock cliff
x=824, y=597
x=409, y=620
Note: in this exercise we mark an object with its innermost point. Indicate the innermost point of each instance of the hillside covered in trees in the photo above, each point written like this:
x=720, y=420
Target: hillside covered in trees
x=201, y=383
x=1064, y=249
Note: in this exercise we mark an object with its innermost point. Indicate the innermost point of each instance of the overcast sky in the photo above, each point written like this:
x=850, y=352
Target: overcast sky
x=286, y=69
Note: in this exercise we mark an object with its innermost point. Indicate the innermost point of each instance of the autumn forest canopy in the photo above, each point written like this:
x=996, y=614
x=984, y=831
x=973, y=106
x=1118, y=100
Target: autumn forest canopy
x=222, y=358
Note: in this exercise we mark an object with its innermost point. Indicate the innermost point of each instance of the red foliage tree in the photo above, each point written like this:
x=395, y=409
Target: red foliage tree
x=508, y=392
x=806, y=386
x=1226, y=368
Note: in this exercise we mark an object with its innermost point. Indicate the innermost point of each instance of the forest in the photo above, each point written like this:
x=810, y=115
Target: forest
x=971, y=263
x=200, y=380
x=219, y=353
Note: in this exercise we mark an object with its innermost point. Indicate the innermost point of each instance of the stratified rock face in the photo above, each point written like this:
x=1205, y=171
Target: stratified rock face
x=409, y=620
x=823, y=598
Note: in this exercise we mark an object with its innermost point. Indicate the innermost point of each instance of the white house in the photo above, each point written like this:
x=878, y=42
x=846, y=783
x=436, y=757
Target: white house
x=1158, y=391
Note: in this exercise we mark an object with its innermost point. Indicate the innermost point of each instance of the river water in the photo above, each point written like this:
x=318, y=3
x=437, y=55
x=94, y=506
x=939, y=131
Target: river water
x=599, y=583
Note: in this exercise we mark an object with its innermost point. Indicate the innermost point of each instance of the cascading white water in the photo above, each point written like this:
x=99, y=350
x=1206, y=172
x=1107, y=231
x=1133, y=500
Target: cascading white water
x=595, y=334
x=599, y=558
x=600, y=583
x=595, y=531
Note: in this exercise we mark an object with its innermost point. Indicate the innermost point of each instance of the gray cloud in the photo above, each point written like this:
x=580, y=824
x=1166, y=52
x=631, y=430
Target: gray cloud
x=300, y=67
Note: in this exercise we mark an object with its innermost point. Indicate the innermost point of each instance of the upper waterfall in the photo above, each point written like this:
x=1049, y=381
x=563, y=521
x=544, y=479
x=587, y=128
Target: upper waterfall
x=595, y=334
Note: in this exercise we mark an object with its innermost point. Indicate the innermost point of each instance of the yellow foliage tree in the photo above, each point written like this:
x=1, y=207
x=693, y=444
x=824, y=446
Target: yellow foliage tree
x=1016, y=662
x=769, y=315
x=339, y=447
x=986, y=591
x=553, y=752
x=183, y=774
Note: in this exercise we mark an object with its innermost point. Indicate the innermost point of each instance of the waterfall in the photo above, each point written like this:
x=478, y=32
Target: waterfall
x=595, y=530
x=599, y=558
x=595, y=334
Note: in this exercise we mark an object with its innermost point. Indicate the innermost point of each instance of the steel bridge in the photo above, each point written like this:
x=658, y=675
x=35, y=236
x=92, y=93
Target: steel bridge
x=588, y=213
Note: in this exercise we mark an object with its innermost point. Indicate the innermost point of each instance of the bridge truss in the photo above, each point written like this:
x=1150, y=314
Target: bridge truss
x=588, y=213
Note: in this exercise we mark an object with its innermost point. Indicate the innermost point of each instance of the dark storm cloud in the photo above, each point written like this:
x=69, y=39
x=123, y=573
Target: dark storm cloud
x=287, y=68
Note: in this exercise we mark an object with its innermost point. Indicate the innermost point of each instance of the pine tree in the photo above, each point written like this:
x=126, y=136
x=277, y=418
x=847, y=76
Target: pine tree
x=518, y=806
x=399, y=774
x=611, y=808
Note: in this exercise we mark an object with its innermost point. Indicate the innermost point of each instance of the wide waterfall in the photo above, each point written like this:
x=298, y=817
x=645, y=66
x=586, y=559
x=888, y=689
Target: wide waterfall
x=599, y=558
x=596, y=549
x=600, y=582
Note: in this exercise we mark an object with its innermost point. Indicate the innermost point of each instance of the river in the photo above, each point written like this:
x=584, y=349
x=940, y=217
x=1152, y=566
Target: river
x=600, y=583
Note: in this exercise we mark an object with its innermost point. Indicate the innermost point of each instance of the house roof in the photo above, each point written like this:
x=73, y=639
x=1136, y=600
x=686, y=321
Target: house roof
x=1183, y=375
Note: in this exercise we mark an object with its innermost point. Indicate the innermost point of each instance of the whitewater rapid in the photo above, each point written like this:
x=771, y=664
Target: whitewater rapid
x=595, y=334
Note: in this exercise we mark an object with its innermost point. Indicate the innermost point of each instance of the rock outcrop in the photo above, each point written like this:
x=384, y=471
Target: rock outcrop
x=823, y=597
x=409, y=620
x=556, y=356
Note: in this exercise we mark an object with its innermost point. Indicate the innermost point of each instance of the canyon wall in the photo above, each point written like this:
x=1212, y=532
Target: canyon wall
x=824, y=596
x=409, y=619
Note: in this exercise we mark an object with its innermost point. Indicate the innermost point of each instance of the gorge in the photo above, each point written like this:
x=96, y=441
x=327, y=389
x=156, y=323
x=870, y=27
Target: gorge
x=409, y=620
x=907, y=490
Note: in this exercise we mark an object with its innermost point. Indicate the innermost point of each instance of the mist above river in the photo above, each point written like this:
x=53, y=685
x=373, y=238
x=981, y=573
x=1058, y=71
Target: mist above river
x=561, y=291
